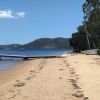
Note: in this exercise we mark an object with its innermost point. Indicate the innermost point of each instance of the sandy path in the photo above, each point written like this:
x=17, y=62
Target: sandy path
x=42, y=79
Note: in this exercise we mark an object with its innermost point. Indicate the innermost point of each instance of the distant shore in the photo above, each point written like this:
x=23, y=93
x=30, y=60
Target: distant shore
x=74, y=77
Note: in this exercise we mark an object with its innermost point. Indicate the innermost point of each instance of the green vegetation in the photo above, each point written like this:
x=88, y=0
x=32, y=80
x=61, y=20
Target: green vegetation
x=98, y=52
x=88, y=34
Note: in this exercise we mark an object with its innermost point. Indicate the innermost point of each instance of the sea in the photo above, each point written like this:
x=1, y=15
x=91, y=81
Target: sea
x=7, y=63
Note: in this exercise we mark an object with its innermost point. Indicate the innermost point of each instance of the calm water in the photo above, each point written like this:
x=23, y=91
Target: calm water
x=6, y=63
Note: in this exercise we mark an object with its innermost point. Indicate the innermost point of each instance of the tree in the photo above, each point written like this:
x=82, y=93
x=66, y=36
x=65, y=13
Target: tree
x=90, y=29
x=78, y=40
x=91, y=10
x=89, y=6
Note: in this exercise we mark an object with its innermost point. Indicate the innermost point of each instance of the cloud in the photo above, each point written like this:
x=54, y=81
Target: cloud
x=4, y=14
x=20, y=14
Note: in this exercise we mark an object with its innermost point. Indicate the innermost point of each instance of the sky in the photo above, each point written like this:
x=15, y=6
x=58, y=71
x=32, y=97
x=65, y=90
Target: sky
x=22, y=21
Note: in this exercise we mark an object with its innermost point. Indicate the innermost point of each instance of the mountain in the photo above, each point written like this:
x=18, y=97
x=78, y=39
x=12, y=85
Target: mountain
x=41, y=43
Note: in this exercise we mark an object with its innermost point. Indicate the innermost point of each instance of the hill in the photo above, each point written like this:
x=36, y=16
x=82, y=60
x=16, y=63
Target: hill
x=41, y=43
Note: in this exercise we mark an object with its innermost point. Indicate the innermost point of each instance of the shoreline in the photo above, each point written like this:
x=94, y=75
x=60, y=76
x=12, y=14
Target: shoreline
x=7, y=64
x=11, y=72
x=71, y=78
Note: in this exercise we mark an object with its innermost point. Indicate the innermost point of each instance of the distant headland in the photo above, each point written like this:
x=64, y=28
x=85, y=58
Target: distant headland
x=62, y=43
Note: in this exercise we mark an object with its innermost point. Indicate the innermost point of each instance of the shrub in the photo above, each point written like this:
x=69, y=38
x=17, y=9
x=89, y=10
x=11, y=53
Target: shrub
x=98, y=51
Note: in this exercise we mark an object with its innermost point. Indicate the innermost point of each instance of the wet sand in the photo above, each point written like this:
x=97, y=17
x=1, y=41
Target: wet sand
x=75, y=77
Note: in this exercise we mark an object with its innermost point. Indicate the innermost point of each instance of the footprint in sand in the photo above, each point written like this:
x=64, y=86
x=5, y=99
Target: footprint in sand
x=11, y=91
x=72, y=72
x=60, y=78
x=13, y=96
x=75, y=62
x=61, y=69
x=29, y=78
x=32, y=71
x=19, y=84
x=85, y=98
x=78, y=94
x=67, y=65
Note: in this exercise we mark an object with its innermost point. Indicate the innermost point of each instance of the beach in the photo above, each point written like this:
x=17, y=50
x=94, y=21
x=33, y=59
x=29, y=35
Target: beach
x=74, y=77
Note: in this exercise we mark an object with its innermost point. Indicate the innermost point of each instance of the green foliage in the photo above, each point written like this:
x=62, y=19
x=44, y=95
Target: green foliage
x=98, y=51
x=78, y=40
x=89, y=6
x=91, y=9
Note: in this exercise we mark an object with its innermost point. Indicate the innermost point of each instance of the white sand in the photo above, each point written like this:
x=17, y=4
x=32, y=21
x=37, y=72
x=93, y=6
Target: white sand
x=88, y=69
x=75, y=77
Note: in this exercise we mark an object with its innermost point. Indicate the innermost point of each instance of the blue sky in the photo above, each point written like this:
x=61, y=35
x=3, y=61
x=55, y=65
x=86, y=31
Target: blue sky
x=22, y=21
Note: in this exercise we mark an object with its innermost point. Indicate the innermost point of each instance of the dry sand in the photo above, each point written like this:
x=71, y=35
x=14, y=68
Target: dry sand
x=75, y=77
